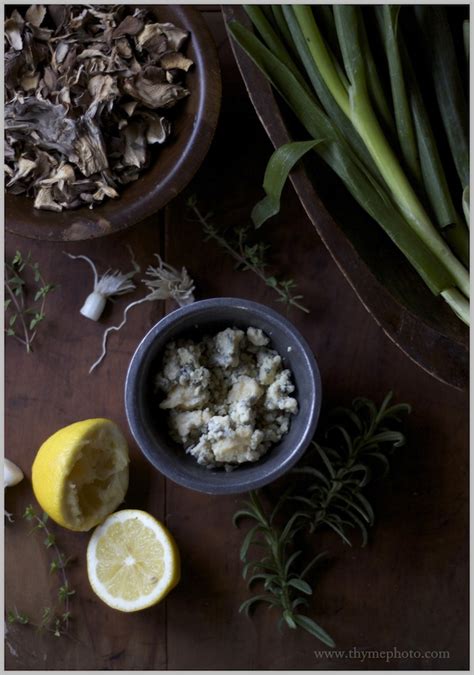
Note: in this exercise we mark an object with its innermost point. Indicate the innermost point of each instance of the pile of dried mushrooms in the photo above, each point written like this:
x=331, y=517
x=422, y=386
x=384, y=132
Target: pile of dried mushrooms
x=87, y=88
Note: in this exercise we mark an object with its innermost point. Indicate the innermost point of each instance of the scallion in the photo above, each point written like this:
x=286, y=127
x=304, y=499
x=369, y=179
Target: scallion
x=347, y=111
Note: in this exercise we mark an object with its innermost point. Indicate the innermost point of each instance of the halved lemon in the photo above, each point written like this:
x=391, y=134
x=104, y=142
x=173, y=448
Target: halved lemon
x=132, y=561
x=80, y=473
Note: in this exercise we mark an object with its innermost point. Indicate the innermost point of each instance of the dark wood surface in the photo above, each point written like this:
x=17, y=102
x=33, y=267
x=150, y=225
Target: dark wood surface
x=423, y=325
x=407, y=590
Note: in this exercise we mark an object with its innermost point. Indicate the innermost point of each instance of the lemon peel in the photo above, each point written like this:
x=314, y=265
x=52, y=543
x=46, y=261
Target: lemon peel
x=80, y=473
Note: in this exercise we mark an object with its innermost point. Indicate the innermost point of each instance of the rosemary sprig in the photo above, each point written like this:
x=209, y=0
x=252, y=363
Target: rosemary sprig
x=56, y=619
x=249, y=256
x=329, y=491
x=283, y=587
x=28, y=317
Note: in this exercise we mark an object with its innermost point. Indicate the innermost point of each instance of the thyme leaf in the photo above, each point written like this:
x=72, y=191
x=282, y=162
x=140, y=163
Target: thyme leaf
x=23, y=318
x=248, y=256
x=54, y=620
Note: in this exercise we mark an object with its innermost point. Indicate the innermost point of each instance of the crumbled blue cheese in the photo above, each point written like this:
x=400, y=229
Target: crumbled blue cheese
x=257, y=337
x=229, y=397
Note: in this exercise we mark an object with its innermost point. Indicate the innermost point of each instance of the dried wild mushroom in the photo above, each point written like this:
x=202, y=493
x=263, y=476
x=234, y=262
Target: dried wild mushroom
x=87, y=90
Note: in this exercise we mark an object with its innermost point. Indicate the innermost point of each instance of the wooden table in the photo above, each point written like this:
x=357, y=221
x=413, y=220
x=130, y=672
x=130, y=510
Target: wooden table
x=407, y=590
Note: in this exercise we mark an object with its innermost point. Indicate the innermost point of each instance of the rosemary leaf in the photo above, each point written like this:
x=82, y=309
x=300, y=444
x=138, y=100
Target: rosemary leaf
x=328, y=490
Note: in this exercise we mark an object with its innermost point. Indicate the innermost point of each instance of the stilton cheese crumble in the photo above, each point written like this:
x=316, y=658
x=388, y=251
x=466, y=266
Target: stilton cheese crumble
x=228, y=396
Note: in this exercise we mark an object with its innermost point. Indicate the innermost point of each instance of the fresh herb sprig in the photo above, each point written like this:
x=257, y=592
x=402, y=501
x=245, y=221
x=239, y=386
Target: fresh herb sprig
x=356, y=445
x=55, y=619
x=249, y=256
x=329, y=491
x=21, y=315
x=283, y=587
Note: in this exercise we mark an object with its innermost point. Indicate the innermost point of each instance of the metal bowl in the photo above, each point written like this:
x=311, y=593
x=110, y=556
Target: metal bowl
x=148, y=423
x=194, y=122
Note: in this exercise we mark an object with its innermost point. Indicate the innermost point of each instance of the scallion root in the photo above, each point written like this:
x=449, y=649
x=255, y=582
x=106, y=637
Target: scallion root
x=109, y=285
x=164, y=283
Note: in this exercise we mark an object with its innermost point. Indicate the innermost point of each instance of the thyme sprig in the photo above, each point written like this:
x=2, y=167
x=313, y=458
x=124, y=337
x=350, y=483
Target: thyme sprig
x=248, y=256
x=55, y=619
x=328, y=491
x=18, y=312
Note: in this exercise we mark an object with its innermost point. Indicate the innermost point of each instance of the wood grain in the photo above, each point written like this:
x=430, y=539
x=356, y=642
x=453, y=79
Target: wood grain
x=407, y=589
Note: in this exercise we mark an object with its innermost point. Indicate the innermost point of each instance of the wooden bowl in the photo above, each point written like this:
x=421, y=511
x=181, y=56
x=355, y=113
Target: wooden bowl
x=422, y=325
x=177, y=162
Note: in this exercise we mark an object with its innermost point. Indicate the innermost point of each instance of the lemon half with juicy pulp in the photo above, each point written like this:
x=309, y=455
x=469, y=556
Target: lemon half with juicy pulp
x=80, y=473
x=132, y=561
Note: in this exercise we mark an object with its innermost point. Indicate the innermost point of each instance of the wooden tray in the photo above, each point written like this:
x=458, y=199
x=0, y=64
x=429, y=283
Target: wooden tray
x=422, y=325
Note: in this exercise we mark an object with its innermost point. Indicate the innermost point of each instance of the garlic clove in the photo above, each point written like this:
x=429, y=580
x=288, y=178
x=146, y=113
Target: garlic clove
x=12, y=474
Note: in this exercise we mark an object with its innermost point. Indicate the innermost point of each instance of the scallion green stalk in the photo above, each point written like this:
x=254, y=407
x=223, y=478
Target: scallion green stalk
x=357, y=106
x=434, y=178
x=387, y=16
x=333, y=149
x=273, y=42
x=374, y=84
x=351, y=140
x=337, y=116
x=279, y=19
x=465, y=205
x=447, y=83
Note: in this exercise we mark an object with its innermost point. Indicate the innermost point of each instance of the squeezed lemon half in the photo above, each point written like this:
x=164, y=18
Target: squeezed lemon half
x=80, y=473
x=132, y=561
